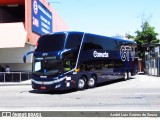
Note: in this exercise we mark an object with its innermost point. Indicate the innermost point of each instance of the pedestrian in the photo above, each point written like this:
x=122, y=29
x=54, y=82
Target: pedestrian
x=0, y=68
x=7, y=69
x=3, y=70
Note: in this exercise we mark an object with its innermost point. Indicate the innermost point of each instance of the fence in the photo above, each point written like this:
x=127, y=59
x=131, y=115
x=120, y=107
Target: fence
x=14, y=76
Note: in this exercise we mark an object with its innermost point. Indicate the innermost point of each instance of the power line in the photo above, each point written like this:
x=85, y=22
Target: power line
x=54, y=2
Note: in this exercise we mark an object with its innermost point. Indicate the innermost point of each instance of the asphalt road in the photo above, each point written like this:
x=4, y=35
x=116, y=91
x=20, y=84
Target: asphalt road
x=142, y=92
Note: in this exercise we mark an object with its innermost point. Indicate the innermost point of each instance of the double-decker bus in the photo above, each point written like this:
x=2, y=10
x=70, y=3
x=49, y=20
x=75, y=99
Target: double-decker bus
x=66, y=60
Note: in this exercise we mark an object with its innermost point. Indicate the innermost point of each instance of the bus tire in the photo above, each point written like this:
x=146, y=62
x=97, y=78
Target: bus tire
x=129, y=75
x=81, y=83
x=91, y=83
x=126, y=75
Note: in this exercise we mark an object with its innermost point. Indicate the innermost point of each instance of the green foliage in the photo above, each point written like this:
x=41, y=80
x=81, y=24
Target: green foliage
x=146, y=39
x=129, y=36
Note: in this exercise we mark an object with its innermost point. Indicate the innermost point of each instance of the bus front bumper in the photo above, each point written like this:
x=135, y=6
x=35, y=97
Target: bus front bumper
x=48, y=86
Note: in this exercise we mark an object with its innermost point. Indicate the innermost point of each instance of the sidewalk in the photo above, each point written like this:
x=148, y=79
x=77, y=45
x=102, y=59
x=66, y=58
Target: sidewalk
x=27, y=82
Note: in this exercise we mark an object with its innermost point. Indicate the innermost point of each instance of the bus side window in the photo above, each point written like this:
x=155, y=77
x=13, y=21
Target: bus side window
x=69, y=61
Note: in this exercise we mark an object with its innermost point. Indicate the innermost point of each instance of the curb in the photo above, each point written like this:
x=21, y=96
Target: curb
x=27, y=82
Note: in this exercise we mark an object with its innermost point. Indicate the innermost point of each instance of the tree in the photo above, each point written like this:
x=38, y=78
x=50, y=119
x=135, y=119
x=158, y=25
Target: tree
x=146, y=39
x=129, y=36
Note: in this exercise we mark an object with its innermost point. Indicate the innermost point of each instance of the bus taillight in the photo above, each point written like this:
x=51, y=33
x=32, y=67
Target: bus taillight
x=36, y=45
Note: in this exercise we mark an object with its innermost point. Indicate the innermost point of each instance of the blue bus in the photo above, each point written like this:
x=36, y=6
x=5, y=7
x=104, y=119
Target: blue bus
x=66, y=60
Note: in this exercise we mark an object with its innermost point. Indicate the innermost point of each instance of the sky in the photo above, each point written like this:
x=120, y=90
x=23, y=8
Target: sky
x=108, y=17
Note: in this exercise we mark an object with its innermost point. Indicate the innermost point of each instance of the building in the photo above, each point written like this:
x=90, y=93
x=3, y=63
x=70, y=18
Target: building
x=21, y=24
x=152, y=61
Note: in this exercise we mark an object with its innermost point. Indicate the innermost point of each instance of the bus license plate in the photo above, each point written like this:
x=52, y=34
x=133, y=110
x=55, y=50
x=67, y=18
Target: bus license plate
x=43, y=87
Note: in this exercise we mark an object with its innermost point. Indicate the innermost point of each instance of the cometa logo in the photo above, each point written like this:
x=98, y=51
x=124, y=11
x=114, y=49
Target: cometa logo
x=98, y=54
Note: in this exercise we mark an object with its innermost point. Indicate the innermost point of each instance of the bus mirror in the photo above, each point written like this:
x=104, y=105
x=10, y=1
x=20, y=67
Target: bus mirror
x=25, y=55
x=24, y=58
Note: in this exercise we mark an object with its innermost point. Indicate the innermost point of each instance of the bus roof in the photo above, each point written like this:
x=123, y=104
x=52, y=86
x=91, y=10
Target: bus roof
x=75, y=32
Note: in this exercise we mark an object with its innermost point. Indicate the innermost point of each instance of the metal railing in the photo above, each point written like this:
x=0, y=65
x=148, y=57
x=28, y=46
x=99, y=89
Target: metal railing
x=15, y=76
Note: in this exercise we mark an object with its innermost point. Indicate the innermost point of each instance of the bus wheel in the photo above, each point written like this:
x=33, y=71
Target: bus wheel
x=91, y=82
x=125, y=75
x=81, y=83
x=129, y=75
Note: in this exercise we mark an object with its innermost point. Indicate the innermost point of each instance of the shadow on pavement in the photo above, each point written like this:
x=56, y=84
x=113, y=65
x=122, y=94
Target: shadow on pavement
x=74, y=90
x=111, y=82
x=141, y=73
x=52, y=92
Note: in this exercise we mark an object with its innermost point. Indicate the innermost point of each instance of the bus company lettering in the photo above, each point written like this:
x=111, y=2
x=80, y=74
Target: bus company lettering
x=98, y=54
x=126, y=51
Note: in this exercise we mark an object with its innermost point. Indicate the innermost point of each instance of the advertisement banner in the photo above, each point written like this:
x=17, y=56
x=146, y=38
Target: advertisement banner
x=41, y=18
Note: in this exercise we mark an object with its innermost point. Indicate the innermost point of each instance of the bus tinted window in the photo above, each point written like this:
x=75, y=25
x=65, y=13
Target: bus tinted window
x=74, y=41
x=48, y=43
x=98, y=42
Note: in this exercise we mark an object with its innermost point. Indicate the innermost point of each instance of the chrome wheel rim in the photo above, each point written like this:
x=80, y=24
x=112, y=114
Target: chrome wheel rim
x=125, y=75
x=91, y=82
x=81, y=83
x=129, y=75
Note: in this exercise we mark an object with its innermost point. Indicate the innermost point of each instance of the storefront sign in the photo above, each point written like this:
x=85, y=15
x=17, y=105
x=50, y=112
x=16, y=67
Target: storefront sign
x=41, y=18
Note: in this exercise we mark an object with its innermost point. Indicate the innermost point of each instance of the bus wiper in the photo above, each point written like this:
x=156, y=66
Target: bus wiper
x=25, y=55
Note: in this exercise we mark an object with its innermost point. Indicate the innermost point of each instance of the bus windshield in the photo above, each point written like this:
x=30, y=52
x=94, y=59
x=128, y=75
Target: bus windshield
x=59, y=63
x=47, y=66
x=48, y=43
